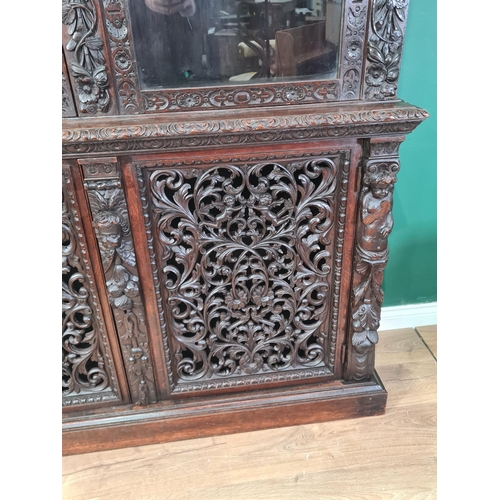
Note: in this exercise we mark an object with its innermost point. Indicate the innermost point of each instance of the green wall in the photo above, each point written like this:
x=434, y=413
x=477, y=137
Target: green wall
x=410, y=276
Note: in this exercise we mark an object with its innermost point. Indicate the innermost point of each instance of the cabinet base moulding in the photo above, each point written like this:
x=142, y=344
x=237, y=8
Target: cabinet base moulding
x=182, y=419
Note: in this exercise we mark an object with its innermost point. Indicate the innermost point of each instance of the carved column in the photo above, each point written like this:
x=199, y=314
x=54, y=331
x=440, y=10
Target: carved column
x=374, y=223
x=112, y=228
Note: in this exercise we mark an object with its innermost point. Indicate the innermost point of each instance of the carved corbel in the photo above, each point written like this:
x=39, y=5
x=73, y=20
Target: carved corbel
x=112, y=229
x=374, y=223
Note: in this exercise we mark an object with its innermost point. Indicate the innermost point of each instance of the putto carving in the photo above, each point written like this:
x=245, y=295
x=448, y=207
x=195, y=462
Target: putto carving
x=247, y=264
x=112, y=228
x=88, y=69
x=370, y=258
x=85, y=363
x=385, y=45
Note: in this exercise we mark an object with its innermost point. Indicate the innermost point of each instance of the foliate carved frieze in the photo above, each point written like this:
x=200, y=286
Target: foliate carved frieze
x=246, y=256
x=86, y=365
x=187, y=135
x=250, y=96
x=85, y=49
x=370, y=257
x=112, y=228
x=351, y=58
x=385, y=45
x=122, y=55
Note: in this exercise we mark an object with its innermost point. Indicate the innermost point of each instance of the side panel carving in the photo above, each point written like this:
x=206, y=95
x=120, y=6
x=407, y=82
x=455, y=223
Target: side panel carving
x=246, y=268
x=371, y=254
x=385, y=45
x=112, y=229
x=87, y=370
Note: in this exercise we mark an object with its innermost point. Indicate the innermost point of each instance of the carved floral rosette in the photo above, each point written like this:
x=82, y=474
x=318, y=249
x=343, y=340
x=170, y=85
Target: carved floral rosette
x=112, y=229
x=371, y=252
x=385, y=46
x=87, y=370
x=122, y=55
x=246, y=258
x=353, y=47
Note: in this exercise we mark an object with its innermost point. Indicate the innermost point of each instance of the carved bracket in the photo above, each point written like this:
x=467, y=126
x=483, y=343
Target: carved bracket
x=112, y=229
x=385, y=45
x=374, y=223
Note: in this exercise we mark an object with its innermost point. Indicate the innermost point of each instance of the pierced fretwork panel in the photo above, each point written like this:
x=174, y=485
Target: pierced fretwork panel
x=246, y=269
x=87, y=373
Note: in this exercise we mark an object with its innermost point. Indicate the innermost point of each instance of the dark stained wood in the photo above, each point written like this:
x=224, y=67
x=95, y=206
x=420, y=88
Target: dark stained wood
x=172, y=421
x=235, y=236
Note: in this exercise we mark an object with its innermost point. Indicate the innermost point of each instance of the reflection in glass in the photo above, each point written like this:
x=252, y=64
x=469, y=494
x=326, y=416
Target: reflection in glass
x=182, y=43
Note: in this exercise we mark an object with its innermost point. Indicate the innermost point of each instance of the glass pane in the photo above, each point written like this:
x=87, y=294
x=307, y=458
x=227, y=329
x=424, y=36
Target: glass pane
x=181, y=43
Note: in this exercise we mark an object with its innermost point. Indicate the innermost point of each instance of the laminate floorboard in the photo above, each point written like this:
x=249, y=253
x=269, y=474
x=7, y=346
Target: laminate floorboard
x=392, y=456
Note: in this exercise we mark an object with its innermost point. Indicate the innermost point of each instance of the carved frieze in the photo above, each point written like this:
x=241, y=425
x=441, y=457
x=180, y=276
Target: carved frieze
x=371, y=255
x=68, y=105
x=290, y=128
x=112, y=229
x=86, y=364
x=244, y=268
x=385, y=45
x=85, y=49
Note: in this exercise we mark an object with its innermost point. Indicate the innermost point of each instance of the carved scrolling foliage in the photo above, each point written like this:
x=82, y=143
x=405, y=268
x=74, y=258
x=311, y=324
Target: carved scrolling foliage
x=385, y=45
x=370, y=258
x=88, y=67
x=122, y=57
x=353, y=47
x=247, y=261
x=112, y=228
x=83, y=365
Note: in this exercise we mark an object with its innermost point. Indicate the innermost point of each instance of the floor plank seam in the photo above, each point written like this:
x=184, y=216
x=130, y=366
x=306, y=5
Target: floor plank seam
x=425, y=343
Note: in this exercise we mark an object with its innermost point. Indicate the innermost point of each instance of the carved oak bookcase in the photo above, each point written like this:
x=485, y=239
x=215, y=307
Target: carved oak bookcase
x=228, y=171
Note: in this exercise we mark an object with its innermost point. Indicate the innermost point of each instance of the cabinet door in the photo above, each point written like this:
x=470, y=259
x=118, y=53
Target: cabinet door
x=250, y=259
x=92, y=374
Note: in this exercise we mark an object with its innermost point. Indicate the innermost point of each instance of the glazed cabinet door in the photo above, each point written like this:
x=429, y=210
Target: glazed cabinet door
x=247, y=258
x=92, y=372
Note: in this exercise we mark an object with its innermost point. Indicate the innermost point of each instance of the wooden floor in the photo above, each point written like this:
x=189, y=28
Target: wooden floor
x=388, y=457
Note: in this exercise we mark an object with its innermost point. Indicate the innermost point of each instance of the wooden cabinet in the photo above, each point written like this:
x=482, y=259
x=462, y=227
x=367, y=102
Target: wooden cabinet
x=223, y=244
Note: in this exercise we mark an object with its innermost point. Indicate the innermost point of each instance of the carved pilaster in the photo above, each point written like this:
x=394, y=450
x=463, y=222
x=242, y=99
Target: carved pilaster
x=85, y=51
x=385, y=44
x=112, y=229
x=374, y=223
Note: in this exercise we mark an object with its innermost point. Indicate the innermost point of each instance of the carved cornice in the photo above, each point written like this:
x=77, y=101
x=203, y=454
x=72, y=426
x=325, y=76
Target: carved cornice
x=157, y=135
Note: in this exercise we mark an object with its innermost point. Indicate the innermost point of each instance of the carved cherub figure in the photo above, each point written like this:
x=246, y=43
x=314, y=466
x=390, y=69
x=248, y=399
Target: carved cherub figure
x=376, y=216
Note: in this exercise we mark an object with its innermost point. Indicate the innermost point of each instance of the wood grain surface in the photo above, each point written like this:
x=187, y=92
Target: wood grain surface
x=386, y=457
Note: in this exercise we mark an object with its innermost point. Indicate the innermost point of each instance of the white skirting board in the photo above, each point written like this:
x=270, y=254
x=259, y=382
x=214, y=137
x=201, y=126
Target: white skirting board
x=408, y=316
